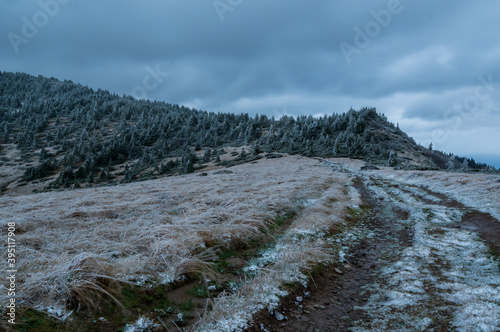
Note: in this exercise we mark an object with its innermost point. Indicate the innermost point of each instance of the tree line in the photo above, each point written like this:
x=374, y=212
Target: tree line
x=89, y=131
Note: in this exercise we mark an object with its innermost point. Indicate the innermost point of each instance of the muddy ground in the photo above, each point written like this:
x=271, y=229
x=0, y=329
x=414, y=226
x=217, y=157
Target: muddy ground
x=332, y=301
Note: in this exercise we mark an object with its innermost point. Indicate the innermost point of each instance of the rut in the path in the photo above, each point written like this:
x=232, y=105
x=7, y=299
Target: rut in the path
x=447, y=280
x=331, y=301
x=425, y=269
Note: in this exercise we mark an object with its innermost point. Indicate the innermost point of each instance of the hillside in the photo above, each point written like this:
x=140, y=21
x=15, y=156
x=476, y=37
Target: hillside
x=56, y=134
x=282, y=244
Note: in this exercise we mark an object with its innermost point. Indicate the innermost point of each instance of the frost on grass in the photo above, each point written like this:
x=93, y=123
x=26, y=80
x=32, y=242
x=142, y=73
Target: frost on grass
x=58, y=312
x=143, y=324
x=287, y=262
x=74, y=245
x=284, y=263
x=480, y=191
x=233, y=312
x=446, y=278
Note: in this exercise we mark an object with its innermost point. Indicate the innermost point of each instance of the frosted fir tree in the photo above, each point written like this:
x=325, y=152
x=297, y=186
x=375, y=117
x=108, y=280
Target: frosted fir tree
x=392, y=160
x=207, y=155
x=243, y=154
x=465, y=164
x=450, y=165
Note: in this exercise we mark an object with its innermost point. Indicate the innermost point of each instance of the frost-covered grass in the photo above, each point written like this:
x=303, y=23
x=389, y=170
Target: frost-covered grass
x=477, y=190
x=447, y=278
x=74, y=247
x=304, y=245
x=143, y=324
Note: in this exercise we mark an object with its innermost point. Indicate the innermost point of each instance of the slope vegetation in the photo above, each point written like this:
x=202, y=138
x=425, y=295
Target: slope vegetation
x=57, y=134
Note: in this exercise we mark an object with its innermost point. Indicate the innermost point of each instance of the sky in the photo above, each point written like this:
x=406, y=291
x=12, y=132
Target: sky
x=433, y=67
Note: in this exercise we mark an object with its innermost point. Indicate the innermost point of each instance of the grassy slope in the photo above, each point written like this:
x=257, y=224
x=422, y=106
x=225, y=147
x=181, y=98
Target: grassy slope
x=77, y=248
x=148, y=244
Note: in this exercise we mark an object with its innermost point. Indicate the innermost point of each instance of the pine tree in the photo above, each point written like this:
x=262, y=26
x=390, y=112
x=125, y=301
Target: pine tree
x=465, y=164
x=450, y=165
x=257, y=149
x=243, y=154
x=392, y=160
x=189, y=167
x=43, y=155
x=207, y=155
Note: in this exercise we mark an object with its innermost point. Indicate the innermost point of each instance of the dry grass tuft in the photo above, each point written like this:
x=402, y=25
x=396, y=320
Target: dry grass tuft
x=80, y=282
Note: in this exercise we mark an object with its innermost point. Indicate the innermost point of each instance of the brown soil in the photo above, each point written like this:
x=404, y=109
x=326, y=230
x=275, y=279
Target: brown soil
x=329, y=303
x=484, y=224
x=445, y=200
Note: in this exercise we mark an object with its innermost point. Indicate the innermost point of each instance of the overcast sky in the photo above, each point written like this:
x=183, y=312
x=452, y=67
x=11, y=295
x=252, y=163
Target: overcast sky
x=430, y=66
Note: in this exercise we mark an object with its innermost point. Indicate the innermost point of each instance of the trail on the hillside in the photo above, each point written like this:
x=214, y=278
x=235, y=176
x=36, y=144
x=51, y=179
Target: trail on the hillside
x=430, y=264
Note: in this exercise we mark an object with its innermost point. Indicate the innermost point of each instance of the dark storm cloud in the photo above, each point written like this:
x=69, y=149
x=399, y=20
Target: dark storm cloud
x=271, y=57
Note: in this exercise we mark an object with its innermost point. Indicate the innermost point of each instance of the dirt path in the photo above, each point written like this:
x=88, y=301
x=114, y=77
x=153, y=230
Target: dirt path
x=431, y=265
x=330, y=303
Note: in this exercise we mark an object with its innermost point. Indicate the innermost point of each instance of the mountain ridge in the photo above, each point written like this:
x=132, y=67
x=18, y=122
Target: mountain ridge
x=83, y=136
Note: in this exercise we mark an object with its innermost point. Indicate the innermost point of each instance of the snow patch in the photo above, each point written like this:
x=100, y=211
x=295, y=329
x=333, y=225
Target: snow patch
x=57, y=311
x=143, y=324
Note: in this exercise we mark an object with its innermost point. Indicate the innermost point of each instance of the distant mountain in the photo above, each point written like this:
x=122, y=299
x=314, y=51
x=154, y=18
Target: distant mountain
x=64, y=134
